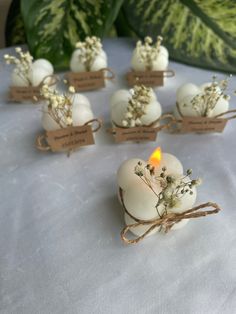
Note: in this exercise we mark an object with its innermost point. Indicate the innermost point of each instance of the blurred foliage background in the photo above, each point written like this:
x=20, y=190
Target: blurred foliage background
x=197, y=32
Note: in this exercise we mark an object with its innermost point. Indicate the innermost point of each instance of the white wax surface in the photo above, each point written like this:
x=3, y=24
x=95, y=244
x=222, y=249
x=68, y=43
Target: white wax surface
x=43, y=63
x=172, y=164
x=140, y=200
x=125, y=173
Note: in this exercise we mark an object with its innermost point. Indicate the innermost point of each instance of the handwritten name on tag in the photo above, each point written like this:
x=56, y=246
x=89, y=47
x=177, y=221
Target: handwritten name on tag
x=85, y=81
x=70, y=138
x=135, y=134
x=148, y=78
x=18, y=93
x=203, y=124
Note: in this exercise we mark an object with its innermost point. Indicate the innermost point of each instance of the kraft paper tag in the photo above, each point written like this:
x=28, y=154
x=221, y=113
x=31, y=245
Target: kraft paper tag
x=18, y=93
x=135, y=134
x=70, y=138
x=203, y=124
x=147, y=78
x=85, y=81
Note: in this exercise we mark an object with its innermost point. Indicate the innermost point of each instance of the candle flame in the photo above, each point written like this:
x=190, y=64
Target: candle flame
x=155, y=158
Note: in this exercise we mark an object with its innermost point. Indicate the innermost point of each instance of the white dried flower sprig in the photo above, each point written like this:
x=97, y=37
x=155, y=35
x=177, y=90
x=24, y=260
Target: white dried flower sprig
x=173, y=188
x=23, y=63
x=148, y=52
x=59, y=105
x=204, y=103
x=89, y=49
x=137, y=105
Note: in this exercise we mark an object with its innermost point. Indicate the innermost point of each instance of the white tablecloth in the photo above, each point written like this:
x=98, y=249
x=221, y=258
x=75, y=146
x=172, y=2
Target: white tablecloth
x=60, y=248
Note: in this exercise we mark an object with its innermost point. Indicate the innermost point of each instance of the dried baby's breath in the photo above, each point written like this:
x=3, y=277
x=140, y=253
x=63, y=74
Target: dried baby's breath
x=59, y=105
x=173, y=188
x=205, y=102
x=89, y=49
x=137, y=106
x=23, y=64
x=148, y=51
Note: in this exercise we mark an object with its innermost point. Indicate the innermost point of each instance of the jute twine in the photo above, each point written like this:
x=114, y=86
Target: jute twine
x=217, y=116
x=165, y=222
x=54, y=80
x=108, y=77
x=41, y=140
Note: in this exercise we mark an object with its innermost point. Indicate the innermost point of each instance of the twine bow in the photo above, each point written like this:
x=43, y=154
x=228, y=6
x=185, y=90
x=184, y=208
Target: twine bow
x=166, y=221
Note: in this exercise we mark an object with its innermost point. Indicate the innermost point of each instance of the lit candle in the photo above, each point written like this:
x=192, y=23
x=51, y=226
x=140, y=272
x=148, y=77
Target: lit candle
x=135, y=107
x=28, y=72
x=149, y=56
x=207, y=100
x=150, y=189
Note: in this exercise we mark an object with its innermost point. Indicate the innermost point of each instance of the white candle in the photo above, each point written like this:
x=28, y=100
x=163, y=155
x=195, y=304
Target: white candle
x=187, y=93
x=81, y=113
x=141, y=201
x=150, y=57
x=120, y=104
x=89, y=56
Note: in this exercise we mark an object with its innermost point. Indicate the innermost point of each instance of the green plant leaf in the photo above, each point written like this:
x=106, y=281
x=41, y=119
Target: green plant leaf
x=54, y=26
x=14, y=31
x=196, y=32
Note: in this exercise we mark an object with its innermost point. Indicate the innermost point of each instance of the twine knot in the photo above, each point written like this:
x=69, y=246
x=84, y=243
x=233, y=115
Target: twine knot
x=164, y=222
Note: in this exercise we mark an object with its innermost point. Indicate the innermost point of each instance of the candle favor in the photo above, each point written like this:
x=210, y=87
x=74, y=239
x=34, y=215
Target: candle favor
x=88, y=65
x=149, y=63
x=68, y=121
x=203, y=108
x=136, y=114
x=28, y=76
x=157, y=196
